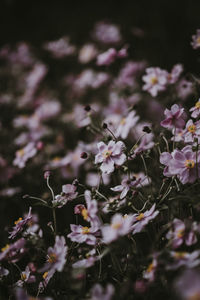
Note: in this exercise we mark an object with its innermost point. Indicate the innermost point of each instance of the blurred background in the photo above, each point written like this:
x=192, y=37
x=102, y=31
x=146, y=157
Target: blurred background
x=161, y=30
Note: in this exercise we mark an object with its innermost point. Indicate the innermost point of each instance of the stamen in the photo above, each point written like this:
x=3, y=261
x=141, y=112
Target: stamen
x=16, y=222
x=85, y=230
x=140, y=217
x=191, y=128
x=52, y=258
x=5, y=248
x=189, y=163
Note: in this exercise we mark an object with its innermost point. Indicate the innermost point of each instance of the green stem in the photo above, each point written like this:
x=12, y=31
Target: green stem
x=52, y=192
x=54, y=221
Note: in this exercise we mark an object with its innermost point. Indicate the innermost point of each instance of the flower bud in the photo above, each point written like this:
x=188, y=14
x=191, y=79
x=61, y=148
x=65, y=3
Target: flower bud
x=84, y=155
x=47, y=174
x=87, y=108
x=146, y=129
x=105, y=126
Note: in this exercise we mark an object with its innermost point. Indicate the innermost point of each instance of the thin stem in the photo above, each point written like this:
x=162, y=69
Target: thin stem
x=162, y=186
x=174, y=138
x=52, y=192
x=102, y=196
x=197, y=173
x=136, y=143
x=39, y=199
x=139, y=210
x=146, y=173
x=100, y=263
x=166, y=142
x=54, y=220
x=112, y=134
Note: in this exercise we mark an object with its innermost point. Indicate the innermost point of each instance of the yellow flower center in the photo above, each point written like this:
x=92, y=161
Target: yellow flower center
x=180, y=233
x=16, y=222
x=180, y=255
x=189, y=163
x=191, y=128
x=45, y=275
x=84, y=213
x=195, y=296
x=5, y=248
x=20, y=152
x=154, y=80
x=52, y=258
x=116, y=225
x=150, y=268
x=56, y=159
x=85, y=230
x=198, y=41
x=23, y=276
x=107, y=153
x=123, y=121
x=197, y=105
x=140, y=217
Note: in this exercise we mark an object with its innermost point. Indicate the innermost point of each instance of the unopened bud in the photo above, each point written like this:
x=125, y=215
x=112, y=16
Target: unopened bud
x=40, y=145
x=146, y=129
x=47, y=174
x=75, y=182
x=84, y=155
x=105, y=126
x=87, y=108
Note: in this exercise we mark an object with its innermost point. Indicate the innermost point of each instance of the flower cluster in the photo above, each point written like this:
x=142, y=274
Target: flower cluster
x=116, y=213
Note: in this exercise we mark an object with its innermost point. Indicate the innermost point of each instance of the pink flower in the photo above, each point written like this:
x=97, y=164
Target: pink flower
x=184, y=163
x=87, y=262
x=189, y=260
x=110, y=155
x=68, y=194
x=89, y=214
x=188, y=285
x=149, y=273
x=24, y=154
x=155, y=80
x=107, y=33
x=56, y=256
x=184, y=88
x=174, y=117
x=20, y=225
x=142, y=219
x=98, y=293
x=131, y=183
x=87, y=53
x=195, y=110
x=128, y=74
x=175, y=73
x=165, y=159
x=196, y=40
x=13, y=252
x=26, y=277
x=83, y=234
x=177, y=134
x=107, y=58
x=60, y=48
x=120, y=226
x=126, y=124
x=178, y=234
x=191, y=132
